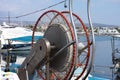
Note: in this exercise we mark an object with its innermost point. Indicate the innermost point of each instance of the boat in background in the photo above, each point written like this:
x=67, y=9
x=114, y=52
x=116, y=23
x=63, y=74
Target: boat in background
x=5, y=25
x=19, y=46
x=10, y=32
x=16, y=39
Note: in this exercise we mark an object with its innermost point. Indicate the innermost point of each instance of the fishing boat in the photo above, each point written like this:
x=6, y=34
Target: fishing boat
x=19, y=46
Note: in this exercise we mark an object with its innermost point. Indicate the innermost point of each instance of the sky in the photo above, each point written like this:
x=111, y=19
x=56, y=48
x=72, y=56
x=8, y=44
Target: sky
x=102, y=11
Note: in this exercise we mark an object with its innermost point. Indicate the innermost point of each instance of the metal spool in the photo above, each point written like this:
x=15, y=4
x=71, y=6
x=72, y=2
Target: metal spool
x=59, y=33
x=55, y=54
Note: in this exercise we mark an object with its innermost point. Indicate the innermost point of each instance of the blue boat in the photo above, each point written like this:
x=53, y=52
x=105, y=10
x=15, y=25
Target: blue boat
x=19, y=45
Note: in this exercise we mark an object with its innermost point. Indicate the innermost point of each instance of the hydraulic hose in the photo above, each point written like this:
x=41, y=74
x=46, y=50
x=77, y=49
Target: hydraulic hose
x=73, y=25
x=93, y=40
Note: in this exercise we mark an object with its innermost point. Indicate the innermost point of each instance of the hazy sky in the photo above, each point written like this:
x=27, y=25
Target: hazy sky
x=102, y=11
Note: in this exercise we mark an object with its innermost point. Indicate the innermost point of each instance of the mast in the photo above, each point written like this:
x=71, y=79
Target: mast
x=8, y=17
